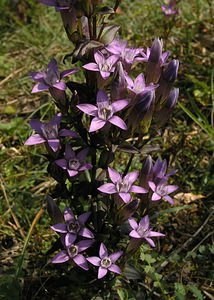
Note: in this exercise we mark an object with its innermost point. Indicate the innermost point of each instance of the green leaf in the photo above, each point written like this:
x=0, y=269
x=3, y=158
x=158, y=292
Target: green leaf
x=108, y=34
x=123, y=294
x=180, y=292
x=195, y=291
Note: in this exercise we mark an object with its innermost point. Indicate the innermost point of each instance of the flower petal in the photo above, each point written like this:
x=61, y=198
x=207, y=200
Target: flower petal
x=82, y=154
x=102, y=97
x=99, y=57
x=62, y=228
x=69, y=153
x=54, y=144
x=37, y=76
x=62, y=163
x=81, y=261
x=40, y=87
x=34, y=140
x=169, y=199
x=61, y=257
x=138, y=189
x=119, y=105
x=152, y=185
x=72, y=173
x=154, y=233
x=155, y=197
x=60, y=86
x=102, y=272
x=114, y=268
x=85, y=244
x=131, y=177
x=69, y=239
x=171, y=188
x=103, y=251
x=91, y=67
x=86, y=233
x=150, y=241
x=144, y=222
x=114, y=175
x=117, y=121
x=96, y=124
x=88, y=109
x=69, y=216
x=36, y=125
x=115, y=256
x=94, y=260
x=126, y=197
x=133, y=223
x=107, y=188
x=105, y=74
x=134, y=234
x=68, y=72
x=68, y=132
x=84, y=217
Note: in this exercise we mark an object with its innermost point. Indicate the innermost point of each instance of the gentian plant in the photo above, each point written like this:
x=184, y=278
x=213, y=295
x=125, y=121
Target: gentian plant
x=99, y=133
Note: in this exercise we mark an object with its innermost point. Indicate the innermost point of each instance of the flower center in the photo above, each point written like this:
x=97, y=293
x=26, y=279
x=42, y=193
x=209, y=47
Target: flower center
x=161, y=190
x=105, y=111
x=49, y=132
x=74, y=164
x=122, y=186
x=143, y=232
x=73, y=251
x=106, y=262
x=52, y=77
x=73, y=227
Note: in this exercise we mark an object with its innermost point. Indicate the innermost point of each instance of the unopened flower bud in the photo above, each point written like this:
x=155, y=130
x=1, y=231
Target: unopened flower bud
x=172, y=99
x=156, y=51
x=146, y=171
x=171, y=71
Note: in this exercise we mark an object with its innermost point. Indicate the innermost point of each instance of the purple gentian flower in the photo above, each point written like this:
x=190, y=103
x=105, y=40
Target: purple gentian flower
x=73, y=253
x=120, y=49
x=122, y=186
x=58, y=4
x=104, y=112
x=73, y=163
x=169, y=9
x=159, y=171
x=138, y=86
x=143, y=231
x=73, y=227
x=162, y=190
x=51, y=78
x=102, y=64
x=105, y=262
x=49, y=133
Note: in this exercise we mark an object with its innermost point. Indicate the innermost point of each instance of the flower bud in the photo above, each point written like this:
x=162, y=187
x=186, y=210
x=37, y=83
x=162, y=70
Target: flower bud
x=172, y=99
x=146, y=172
x=171, y=71
x=156, y=51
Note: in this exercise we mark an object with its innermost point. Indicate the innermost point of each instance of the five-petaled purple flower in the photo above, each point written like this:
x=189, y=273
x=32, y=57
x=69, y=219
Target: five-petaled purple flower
x=143, y=231
x=102, y=64
x=120, y=49
x=73, y=253
x=73, y=163
x=169, y=9
x=122, y=186
x=72, y=228
x=51, y=78
x=104, y=112
x=138, y=86
x=162, y=190
x=105, y=262
x=49, y=133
